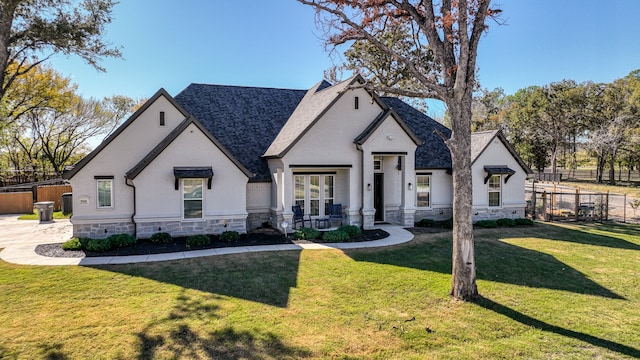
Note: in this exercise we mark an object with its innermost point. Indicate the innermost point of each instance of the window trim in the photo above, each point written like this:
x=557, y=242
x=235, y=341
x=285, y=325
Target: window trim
x=428, y=176
x=109, y=180
x=183, y=199
x=490, y=190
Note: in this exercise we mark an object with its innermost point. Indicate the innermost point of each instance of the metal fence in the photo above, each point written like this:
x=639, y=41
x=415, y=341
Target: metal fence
x=621, y=175
x=580, y=206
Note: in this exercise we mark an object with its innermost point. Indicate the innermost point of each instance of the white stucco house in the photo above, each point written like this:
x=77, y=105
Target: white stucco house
x=216, y=158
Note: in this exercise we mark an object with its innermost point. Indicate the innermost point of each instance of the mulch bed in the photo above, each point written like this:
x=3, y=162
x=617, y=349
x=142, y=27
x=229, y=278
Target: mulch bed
x=145, y=247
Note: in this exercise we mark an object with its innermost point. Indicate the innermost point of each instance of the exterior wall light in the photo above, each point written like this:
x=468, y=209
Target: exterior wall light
x=410, y=186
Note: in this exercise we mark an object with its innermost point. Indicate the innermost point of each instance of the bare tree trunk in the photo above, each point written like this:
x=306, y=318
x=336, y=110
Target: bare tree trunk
x=463, y=285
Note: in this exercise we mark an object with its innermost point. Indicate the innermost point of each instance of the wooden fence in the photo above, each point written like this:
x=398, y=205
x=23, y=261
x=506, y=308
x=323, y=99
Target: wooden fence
x=16, y=202
x=22, y=202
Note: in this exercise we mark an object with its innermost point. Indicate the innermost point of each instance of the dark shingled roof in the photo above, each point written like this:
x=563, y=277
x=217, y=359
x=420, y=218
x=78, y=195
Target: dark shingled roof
x=433, y=153
x=245, y=120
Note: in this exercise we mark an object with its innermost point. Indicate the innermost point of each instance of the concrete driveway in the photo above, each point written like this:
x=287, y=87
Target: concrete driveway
x=15, y=232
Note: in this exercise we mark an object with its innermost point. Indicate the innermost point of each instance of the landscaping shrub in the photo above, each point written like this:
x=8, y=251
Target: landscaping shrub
x=230, y=236
x=446, y=224
x=73, y=244
x=198, y=240
x=121, y=240
x=426, y=223
x=488, y=224
x=335, y=236
x=351, y=230
x=306, y=234
x=98, y=245
x=161, y=238
x=524, y=221
x=506, y=222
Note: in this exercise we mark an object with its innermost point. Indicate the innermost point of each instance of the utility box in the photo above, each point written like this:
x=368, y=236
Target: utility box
x=67, y=203
x=45, y=210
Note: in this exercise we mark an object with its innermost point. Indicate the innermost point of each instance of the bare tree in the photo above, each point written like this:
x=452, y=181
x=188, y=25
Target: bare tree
x=451, y=31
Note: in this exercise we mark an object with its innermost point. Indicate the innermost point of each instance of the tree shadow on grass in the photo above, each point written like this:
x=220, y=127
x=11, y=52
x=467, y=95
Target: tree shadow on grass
x=495, y=261
x=261, y=277
x=541, y=325
x=181, y=340
x=583, y=237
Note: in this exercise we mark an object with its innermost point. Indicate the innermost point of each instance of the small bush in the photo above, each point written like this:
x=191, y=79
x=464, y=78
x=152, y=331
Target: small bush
x=426, y=223
x=446, y=224
x=487, y=224
x=198, y=240
x=506, y=222
x=306, y=234
x=230, y=236
x=161, y=238
x=121, y=240
x=98, y=245
x=335, y=236
x=351, y=230
x=73, y=244
x=524, y=221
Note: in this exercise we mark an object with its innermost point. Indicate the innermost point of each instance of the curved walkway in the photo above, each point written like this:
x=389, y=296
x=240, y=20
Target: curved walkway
x=19, y=239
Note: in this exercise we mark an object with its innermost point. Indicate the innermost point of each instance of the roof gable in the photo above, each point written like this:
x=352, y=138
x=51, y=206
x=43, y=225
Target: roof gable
x=148, y=159
x=160, y=93
x=480, y=141
x=316, y=102
x=375, y=124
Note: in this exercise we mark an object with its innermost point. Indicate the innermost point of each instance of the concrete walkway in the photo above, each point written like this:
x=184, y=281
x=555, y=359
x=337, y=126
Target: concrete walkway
x=19, y=239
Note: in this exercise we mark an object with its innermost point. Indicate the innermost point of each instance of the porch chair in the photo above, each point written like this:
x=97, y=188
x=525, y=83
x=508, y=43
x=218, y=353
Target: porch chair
x=298, y=216
x=335, y=213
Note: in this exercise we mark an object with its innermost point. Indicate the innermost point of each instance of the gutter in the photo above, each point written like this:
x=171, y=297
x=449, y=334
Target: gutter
x=135, y=227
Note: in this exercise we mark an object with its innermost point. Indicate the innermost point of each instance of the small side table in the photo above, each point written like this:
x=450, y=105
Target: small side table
x=323, y=221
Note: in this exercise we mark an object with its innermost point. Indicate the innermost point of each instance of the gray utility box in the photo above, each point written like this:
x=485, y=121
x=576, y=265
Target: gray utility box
x=45, y=210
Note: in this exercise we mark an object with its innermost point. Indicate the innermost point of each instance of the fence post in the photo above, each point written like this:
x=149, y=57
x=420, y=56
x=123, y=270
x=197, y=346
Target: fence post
x=624, y=209
x=577, y=203
x=545, y=206
x=533, y=201
x=606, y=208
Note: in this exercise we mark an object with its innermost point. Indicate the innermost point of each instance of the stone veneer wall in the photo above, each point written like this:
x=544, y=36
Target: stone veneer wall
x=255, y=220
x=495, y=214
x=187, y=228
x=102, y=230
x=437, y=214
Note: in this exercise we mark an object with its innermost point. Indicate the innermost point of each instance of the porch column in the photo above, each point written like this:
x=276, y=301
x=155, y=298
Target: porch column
x=409, y=187
x=368, y=211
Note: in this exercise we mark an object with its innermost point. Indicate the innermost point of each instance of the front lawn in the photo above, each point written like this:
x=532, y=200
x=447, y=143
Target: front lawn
x=549, y=291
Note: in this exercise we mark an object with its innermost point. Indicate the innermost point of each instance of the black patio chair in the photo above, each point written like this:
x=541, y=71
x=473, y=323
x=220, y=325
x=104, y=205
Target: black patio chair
x=335, y=212
x=298, y=216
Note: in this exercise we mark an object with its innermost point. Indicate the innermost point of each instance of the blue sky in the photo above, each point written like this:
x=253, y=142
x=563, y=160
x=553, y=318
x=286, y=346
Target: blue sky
x=276, y=43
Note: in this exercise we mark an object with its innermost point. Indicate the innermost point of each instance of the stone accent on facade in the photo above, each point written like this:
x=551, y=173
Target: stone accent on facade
x=353, y=217
x=102, y=230
x=368, y=219
x=392, y=216
x=498, y=213
x=437, y=214
x=408, y=218
x=188, y=228
x=256, y=219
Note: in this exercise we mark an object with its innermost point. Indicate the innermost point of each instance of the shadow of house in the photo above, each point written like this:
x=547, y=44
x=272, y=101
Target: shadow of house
x=261, y=277
x=497, y=261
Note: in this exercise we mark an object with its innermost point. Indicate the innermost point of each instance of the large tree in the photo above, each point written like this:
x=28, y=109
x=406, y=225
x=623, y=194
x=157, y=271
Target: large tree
x=31, y=31
x=451, y=31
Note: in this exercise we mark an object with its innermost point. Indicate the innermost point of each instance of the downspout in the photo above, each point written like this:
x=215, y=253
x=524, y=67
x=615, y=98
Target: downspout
x=135, y=227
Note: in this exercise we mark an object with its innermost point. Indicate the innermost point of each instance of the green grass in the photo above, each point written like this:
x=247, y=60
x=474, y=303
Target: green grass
x=34, y=216
x=549, y=291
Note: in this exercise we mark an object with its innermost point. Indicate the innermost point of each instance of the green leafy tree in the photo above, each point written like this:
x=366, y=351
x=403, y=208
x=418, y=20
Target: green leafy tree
x=31, y=31
x=434, y=57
